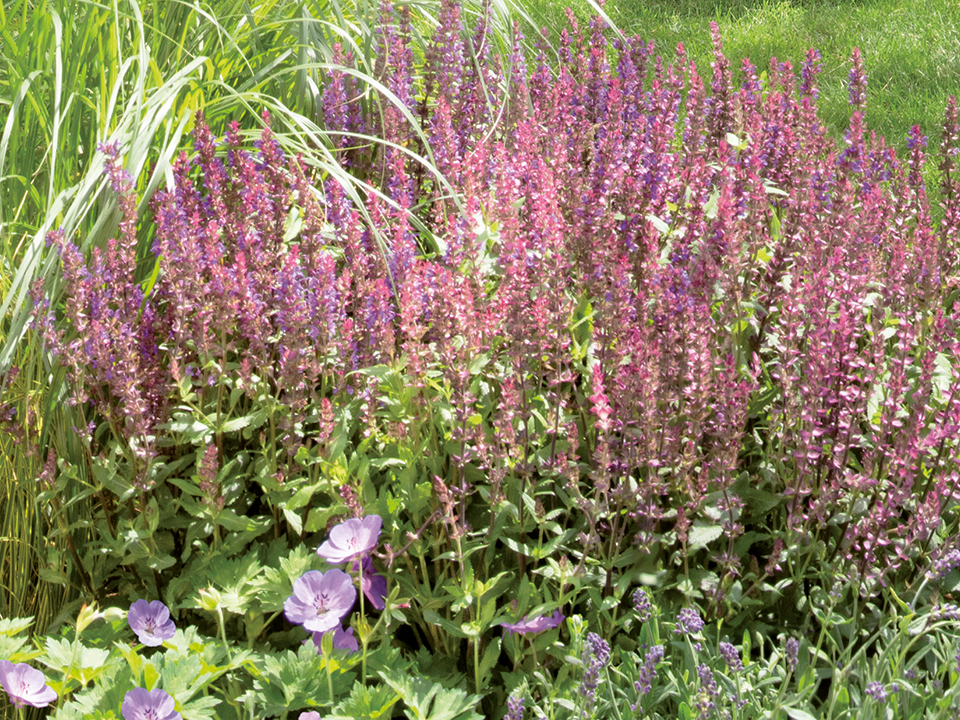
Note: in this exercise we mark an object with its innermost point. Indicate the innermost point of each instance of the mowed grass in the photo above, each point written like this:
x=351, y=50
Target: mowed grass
x=911, y=48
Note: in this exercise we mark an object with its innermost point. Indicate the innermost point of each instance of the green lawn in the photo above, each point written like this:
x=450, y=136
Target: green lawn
x=911, y=48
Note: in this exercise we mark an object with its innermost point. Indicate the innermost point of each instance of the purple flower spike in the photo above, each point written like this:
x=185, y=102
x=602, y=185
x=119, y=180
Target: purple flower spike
x=342, y=640
x=151, y=622
x=538, y=624
x=25, y=685
x=689, y=622
x=373, y=584
x=138, y=704
x=351, y=539
x=320, y=600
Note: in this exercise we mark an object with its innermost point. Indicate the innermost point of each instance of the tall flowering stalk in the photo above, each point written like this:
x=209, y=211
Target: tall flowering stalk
x=677, y=321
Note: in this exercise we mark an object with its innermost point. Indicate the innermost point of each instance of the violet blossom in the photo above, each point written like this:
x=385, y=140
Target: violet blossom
x=140, y=704
x=151, y=622
x=320, y=600
x=25, y=685
x=373, y=584
x=538, y=624
x=342, y=640
x=351, y=539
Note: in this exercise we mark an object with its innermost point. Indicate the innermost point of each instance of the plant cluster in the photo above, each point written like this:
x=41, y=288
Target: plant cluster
x=589, y=327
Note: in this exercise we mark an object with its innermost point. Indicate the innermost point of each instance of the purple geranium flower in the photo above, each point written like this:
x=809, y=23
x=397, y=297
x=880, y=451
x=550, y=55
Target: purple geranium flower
x=151, y=622
x=25, y=685
x=342, y=640
x=320, y=600
x=138, y=704
x=373, y=584
x=351, y=539
x=538, y=624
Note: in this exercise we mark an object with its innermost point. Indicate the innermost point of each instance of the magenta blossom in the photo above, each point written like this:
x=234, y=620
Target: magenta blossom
x=351, y=539
x=342, y=640
x=151, y=622
x=25, y=685
x=538, y=624
x=373, y=584
x=139, y=704
x=320, y=600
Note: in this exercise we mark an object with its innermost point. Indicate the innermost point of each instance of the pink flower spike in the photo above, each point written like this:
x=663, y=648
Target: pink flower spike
x=25, y=685
x=351, y=539
x=538, y=624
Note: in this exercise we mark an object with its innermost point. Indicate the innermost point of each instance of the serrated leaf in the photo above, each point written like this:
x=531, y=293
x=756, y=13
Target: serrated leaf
x=424, y=700
x=366, y=703
x=702, y=534
x=12, y=626
x=237, y=424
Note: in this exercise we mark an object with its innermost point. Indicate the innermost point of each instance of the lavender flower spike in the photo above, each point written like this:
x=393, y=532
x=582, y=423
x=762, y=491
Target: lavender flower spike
x=151, y=622
x=538, y=624
x=514, y=707
x=688, y=622
x=25, y=685
x=139, y=704
x=320, y=600
x=351, y=539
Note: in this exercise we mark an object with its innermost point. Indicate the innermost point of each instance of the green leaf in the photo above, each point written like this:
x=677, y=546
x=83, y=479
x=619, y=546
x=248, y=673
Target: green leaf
x=13, y=626
x=237, y=424
x=431, y=701
x=798, y=714
x=431, y=616
x=366, y=703
x=489, y=659
x=659, y=224
x=702, y=534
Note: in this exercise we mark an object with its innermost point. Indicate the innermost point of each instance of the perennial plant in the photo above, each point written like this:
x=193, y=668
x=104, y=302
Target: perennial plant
x=593, y=322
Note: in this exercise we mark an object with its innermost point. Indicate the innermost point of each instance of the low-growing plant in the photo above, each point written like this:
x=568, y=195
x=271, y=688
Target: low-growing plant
x=659, y=336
